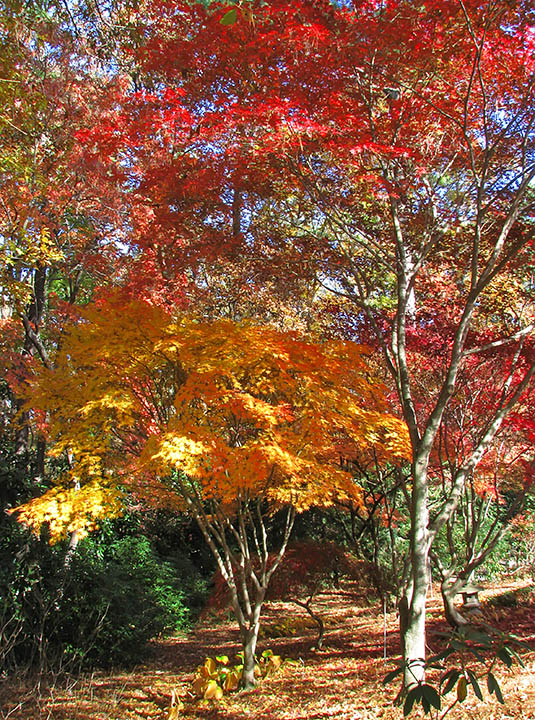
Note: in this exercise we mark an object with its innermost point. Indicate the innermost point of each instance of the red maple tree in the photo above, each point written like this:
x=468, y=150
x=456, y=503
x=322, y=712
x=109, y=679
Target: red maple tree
x=381, y=151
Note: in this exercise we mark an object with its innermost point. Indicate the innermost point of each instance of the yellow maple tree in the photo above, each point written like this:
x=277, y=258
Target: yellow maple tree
x=232, y=421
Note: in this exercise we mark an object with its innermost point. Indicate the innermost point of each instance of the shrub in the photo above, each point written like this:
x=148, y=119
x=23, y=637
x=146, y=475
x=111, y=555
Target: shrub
x=217, y=676
x=115, y=603
x=99, y=609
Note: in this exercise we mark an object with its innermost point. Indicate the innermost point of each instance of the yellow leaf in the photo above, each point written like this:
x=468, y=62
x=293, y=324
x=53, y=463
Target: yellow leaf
x=210, y=667
x=213, y=691
x=274, y=662
x=232, y=681
x=199, y=686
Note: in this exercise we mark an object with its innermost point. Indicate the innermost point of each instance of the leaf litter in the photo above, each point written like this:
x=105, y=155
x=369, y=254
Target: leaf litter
x=343, y=680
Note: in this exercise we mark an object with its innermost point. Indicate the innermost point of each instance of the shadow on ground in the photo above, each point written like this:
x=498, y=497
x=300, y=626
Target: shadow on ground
x=342, y=681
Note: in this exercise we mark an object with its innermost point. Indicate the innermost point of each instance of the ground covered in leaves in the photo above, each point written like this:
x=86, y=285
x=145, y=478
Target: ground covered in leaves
x=343, y=680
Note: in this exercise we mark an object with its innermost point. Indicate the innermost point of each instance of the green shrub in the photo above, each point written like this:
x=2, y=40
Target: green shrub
x=116, y=602
x=99, y=609
x=130, y=581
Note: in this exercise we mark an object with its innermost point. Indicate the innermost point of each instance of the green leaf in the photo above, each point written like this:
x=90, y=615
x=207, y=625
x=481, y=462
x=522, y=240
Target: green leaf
x=442, y=655
x=230, y=17
x=223, y=659
x=493, y=687
x=474, y=683
x=505, y=657
x=435, y=665
x=517, y=656
x=450, y=678
x=475, y=652
x=392, y=674
x=412, y=696
x=478, y=637
x=431, y=696
x=426, y=707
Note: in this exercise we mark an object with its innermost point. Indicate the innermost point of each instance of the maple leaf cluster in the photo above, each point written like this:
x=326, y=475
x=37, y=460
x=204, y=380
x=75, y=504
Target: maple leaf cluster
x=136, y=398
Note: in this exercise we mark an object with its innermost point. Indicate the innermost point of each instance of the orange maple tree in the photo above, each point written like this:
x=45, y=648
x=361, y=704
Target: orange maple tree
x=231, y=421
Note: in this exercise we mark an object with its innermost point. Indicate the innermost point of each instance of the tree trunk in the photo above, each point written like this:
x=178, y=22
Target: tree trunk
x=414, y=640
x=449, y=590
x=249, y=639
x=247, y=614
x=413, y=625
x=316, y=618
x=246, y=585
x=32, y=322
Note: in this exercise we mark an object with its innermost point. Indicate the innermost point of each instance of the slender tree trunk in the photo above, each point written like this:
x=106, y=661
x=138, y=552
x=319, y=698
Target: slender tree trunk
x=249, y=640
x=316, y=618
x=249, y=636
x=413, y=625
x=32, y=322
x=449, y=591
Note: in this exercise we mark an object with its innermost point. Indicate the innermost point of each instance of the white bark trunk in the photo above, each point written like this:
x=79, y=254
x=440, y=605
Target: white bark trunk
x=249, y=640
x=413, y=625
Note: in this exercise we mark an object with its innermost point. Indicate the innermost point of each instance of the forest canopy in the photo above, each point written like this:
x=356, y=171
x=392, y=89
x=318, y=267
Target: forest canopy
x=264, y=257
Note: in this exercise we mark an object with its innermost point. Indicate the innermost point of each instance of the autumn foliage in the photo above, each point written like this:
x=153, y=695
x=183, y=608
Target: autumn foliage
x=360, y=170
x=137, y=400
x=229, y=421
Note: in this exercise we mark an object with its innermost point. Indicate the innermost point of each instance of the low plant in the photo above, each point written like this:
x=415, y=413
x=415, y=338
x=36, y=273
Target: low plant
x=285, y=627
x=217, y=676
x=486, y=646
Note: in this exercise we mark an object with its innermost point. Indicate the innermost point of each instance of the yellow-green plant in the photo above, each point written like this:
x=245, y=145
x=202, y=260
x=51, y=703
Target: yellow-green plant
x=217, y=676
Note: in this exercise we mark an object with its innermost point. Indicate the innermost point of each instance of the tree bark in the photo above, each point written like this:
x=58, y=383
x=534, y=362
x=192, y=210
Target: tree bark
x=414, y=638
x=316, y=618
x=32, y=321
x=249, y=640
x=413, y=627
x=449, y=591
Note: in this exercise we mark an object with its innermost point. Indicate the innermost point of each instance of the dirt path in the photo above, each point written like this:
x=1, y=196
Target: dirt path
x=341, y=681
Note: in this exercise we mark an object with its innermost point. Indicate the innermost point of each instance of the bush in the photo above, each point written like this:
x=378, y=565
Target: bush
x=116, y=601
x=127, y=583
x=99, y=609
x=135, y=578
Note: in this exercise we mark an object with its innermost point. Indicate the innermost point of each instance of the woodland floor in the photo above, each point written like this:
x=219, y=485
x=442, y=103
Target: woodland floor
x=341, y=681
